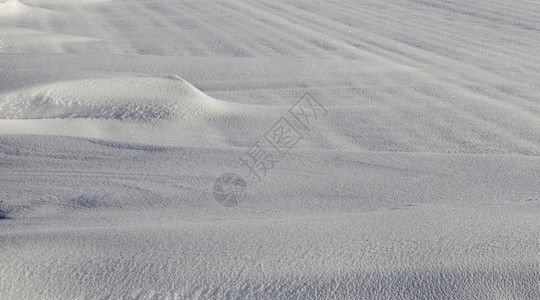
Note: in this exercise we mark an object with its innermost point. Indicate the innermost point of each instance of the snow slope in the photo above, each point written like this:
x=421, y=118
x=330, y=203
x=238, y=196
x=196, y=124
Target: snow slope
x=422, y=181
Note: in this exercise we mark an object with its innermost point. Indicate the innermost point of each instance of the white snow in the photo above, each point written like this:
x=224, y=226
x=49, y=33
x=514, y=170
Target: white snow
x=422, y=181
x=11, y=7
x=119, y=98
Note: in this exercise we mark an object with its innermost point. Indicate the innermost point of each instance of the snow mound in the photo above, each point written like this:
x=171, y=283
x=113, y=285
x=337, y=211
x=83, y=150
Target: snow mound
x=119, y=98
x=12, y=7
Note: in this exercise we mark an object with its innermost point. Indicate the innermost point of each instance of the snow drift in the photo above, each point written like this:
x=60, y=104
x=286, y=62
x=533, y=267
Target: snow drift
x=119, y=98
x=422, y=182
x=11, y=7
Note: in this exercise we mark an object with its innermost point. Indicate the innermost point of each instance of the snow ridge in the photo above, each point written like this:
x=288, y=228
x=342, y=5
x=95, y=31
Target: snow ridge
x=121, y=98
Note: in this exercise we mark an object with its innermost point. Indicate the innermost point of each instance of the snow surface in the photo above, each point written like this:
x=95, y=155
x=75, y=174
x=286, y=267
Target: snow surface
x=422, y=181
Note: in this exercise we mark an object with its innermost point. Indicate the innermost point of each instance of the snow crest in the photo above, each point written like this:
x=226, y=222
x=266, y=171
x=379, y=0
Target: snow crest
x=121, y=98
x=11, y=7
